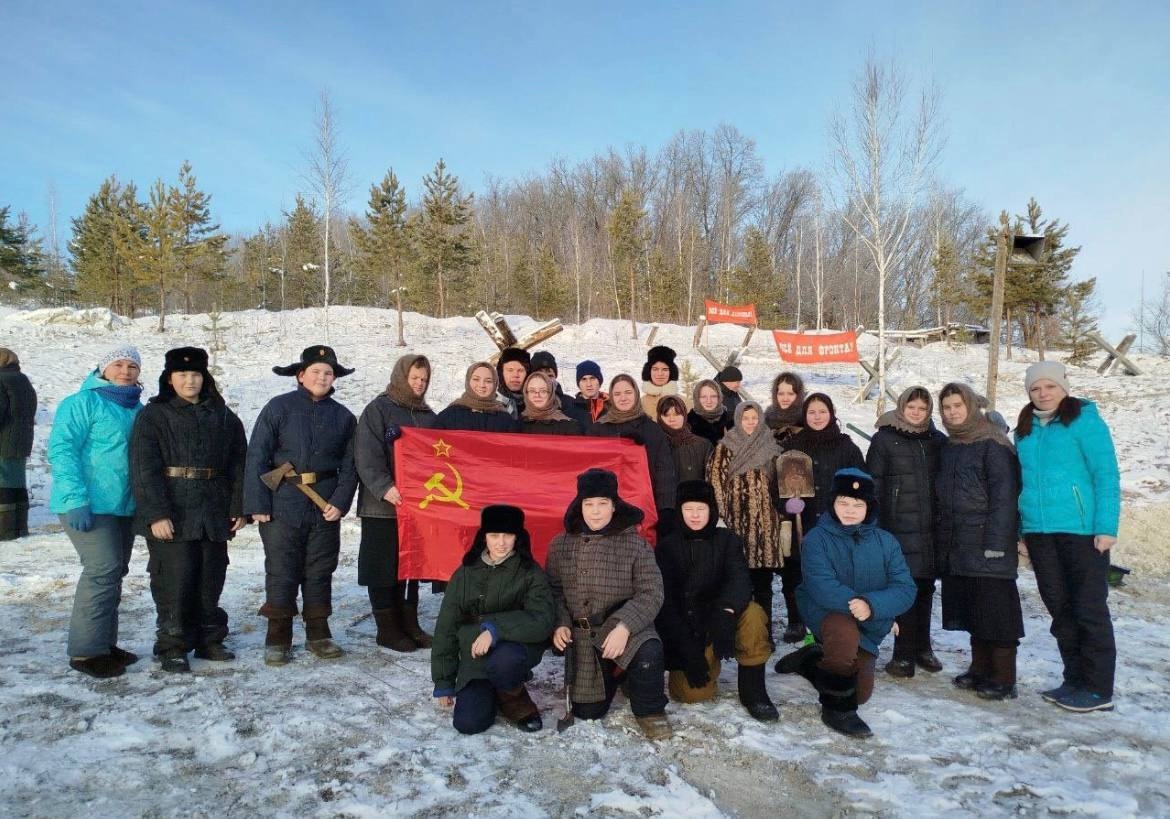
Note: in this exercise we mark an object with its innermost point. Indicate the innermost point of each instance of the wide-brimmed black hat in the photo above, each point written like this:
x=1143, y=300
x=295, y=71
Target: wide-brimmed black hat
x=317, y=354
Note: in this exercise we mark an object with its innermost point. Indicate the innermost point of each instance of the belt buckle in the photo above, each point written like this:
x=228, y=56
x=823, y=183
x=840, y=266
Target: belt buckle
x=583, y=622
x=308, y=478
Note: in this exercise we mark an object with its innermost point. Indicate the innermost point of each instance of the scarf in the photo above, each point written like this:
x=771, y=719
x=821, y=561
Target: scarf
x=776, y=417
x=123, y=396
x=487, y=558
x=708, y=415
x=756, y=451
x=677, y=437
x=399, y=391
x=552, y=410
x=976, y=428
x=472, y=401
x=897, y=419
x=1044, y=416
x=652, y=389
x=615, y=416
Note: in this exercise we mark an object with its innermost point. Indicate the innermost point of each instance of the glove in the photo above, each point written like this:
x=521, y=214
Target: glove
x=80, y=519
x=665, y=524
x=696, y=671
x=636, y=437
x=393, y=432
x=794, y=506
x=722, y=630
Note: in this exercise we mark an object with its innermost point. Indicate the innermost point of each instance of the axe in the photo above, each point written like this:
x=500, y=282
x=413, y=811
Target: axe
x=273, y=478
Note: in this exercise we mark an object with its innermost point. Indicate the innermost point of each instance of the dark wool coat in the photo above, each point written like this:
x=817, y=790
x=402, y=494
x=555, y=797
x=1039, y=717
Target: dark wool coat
x=690, y=459
x=570, y=407
x=18, y=412
x=977, y=491
x=602, y=575
x=314, y=436
x=730, y=399
x=174, y=432
x=457, y=416
x=561, y=426
x=590, y=409
x=903, y=466
x=660, y=459
x=713, y=432
x=699, y=577
x=748, y=504
x=373, y=451
x=829, y=455
x=513, y=601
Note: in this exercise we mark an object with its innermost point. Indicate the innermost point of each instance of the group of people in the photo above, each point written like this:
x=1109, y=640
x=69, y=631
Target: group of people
x=858, y=547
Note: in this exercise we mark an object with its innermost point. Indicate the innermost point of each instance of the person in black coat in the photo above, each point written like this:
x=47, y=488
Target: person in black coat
x=903, y=460
x=403, y=403
x=831, y=450
x=18, y=410
x=976, y=491
x=314, y=433
x=708, y=417
x=478, y=409
x=691, y=452
x=513, y=367
x=542, y=409
x=729, y=380
x=625, y=418
x=544, y=361
x=707, y=613
x=187, y=453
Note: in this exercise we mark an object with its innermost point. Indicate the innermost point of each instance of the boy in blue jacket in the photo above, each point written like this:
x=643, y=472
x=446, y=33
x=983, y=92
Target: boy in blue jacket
x=856, y=582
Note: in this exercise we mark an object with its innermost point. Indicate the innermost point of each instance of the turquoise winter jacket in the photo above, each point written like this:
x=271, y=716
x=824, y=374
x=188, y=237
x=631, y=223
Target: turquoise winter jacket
x=1071, y=483
x=89, y=452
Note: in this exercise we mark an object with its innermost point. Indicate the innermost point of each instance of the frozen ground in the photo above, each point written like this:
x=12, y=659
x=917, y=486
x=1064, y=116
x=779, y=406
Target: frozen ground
x=360, y=737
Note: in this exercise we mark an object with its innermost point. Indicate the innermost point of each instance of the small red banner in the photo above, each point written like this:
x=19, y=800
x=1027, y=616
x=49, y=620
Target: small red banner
x=818, y=348
x=717, y=313
x=446, y=478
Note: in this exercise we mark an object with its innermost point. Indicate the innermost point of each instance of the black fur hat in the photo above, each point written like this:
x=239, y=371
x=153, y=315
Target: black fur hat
x=502, y=518
x=731, y=373
x=181, y=360
x=696, y=492
x=317, y=354
x=544, y=360
x=601, y=483
x=660, y=354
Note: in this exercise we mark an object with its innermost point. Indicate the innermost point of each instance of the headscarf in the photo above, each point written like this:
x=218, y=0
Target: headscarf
x=756, y=451
x=615, y=416
x=708, y=415
x=677, y=437
x=399, y=391
x=897, y=419
x=472, y=401
x=977, y=427
x=551, y=412
x=819, y=437
x=776, y=417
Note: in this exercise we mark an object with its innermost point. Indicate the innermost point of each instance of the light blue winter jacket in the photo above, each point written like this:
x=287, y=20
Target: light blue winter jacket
x=89, y=452
x=1071, y=483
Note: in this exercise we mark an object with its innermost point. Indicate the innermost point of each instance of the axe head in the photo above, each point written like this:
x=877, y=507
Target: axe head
x=273, y=477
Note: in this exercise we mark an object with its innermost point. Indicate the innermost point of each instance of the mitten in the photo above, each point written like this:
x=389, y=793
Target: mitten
x=695, y=669
x=723, y=634
x=80, y=519
x=794, y=506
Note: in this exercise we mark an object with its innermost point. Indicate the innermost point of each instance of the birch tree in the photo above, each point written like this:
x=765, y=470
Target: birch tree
x=328, y=175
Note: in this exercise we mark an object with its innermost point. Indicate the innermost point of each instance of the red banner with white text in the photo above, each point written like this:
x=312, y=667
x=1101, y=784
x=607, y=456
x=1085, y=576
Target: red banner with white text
x=717, y=313
x=817, y=348
x=447, y=477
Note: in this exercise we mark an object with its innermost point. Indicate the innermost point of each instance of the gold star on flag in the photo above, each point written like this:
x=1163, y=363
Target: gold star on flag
x=442, y=448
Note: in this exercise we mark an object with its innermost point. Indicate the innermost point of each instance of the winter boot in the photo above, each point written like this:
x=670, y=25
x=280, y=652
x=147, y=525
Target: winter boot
x=655, y=726
x=1001, y=682
x=215, y=652
x=123, y=656
x=928, y=661
x=412, y=628
x=174, y=661
x=390, y=633
x=319, y=640
x=753, y=693
x=278, y=641
x=803, y=661
x=517, y=706
x=974, y=676
x=839, y=704
x=900, y=667
x=101, y=668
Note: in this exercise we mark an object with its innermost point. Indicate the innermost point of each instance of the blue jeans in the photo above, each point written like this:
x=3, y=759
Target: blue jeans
x=475, y=704
x=105, y=559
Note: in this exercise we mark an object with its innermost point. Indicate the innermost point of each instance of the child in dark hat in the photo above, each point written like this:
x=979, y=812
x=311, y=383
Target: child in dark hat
x=312, y=433
x=608, y=591
x=659, y=378
x=187, y=453
x=544, y=362
x=729, y=380
x=591, y=402
x=493, y=627
x=513, y=367
x=855, y=583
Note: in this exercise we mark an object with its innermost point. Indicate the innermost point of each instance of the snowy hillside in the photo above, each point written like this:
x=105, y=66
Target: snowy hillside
x=360, y=737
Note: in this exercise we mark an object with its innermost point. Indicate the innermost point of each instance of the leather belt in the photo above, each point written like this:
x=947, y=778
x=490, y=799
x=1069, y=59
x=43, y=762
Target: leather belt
x=310, y=478
x=194, y=473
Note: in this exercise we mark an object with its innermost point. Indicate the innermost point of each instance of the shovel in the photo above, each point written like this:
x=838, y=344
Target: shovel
x=568, y=719
x=274, y=477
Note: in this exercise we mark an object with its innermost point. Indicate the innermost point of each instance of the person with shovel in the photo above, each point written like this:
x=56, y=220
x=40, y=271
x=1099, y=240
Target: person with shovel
x=299, y=482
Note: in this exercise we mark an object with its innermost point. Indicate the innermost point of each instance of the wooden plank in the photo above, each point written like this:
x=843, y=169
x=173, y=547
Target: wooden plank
x=1116, y=355
x=505, y=330
x=872, y=371
x=489, y=326
x=537, y=335
x=699, y=332
x=650, y=338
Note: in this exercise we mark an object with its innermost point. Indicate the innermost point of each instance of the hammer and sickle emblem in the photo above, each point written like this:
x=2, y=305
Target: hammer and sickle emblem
x=437, y=490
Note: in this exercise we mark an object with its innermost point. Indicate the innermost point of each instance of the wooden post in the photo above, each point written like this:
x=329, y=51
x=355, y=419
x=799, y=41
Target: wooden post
x=699, y=332
x=999, y=283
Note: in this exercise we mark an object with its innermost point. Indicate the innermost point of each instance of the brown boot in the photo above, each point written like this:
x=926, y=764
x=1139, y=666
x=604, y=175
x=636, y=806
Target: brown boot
x=976, y=675
x=319, y=639
x=655, y=726
x=278, y=641
x=1001, y=682
x=517, y=706
x=412, y=628
x=390, y=633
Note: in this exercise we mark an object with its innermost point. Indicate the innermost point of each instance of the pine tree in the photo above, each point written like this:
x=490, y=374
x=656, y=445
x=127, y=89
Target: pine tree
x=628, y=237
x=382, y=244
x=153, y=251
x=103, y=249
x=446, y=251
x=1078, y=318
x=302, y=256
x=949, y=292
x=200, y=249
x=22, y=259
x=756, y=281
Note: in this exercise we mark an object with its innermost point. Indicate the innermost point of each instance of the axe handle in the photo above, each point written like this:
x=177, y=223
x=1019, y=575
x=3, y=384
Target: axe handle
x=312, y=495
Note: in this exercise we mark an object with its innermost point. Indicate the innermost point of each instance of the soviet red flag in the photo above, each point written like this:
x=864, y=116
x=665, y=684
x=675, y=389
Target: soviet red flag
x=447, y=477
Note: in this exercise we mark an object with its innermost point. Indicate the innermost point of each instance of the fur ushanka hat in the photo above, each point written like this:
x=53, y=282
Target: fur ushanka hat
x=660, y=355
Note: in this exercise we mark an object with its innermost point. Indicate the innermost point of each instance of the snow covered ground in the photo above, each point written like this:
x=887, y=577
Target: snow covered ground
x=360, y=737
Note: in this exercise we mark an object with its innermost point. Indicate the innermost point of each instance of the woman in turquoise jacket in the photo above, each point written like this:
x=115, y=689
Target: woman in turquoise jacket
x=1069, y=511
x=90, y=461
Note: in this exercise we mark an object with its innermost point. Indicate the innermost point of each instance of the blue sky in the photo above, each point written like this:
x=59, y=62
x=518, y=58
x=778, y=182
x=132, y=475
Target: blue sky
x=1067, y=102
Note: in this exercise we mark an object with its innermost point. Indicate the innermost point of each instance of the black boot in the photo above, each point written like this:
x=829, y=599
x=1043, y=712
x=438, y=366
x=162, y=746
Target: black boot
x=899, y=667
x=839, y=704
x=174, y=661
x=1000, y=684
x=753, y=693
x=411, y=627
x=928, y=661
x=980, y=668
x=517, y=706
x=802, y=661
x=390, y=633
x=216, y=652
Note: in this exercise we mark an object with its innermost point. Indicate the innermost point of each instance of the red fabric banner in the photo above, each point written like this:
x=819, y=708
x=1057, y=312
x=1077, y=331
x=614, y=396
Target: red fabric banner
x=717, y=313
x=447, y=477
x=816, y=348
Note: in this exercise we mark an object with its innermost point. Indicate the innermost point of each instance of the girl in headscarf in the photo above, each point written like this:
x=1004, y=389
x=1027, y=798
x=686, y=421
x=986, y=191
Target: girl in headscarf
x=478, y=409
x=709, y=418
x=690, y=451
x=542, y=413
x=785, y=417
